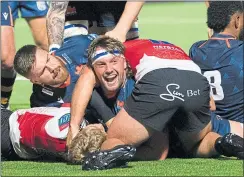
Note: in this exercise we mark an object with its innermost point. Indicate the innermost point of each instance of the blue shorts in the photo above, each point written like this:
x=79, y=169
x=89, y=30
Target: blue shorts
x=6, y=16
x=28, y=8
x=220, y=125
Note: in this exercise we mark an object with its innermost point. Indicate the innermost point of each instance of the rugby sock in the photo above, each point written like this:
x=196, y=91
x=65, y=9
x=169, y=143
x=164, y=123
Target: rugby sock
x=7, y=81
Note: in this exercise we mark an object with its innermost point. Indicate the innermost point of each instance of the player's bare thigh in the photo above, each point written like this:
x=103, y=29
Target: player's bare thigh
x=236, y=128
x=39, y=31
x=128, y=130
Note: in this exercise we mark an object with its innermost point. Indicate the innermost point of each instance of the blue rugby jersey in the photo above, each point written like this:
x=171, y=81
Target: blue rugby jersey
x=116, y=103
x=221, y=61
x=74, y=53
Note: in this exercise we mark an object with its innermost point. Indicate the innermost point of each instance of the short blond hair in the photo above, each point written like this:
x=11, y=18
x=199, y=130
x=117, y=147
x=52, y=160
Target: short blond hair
x=87, y=140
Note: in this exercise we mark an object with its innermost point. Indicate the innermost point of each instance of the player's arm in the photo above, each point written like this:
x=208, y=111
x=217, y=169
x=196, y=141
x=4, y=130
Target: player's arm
x=127, y=18
x=55, y=23
x=212, y=104
x=80, y=99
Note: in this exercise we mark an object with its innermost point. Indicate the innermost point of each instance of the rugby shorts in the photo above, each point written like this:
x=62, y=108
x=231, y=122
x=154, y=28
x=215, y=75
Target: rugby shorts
x=29, y=9
x=6, y=16
x=162, y=93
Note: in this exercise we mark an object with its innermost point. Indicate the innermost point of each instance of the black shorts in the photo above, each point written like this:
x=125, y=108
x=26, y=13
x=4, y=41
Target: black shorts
x=161, y=93
x=7, y=150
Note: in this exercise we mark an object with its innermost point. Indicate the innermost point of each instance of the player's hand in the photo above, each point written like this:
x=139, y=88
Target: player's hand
x=73, y=131
x=117, y=35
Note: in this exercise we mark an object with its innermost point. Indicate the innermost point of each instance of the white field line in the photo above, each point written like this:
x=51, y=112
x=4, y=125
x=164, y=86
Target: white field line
x=170, y=21
x=21, y=78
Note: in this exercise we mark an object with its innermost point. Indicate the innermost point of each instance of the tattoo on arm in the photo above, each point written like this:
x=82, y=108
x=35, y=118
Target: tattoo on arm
x=55, y=21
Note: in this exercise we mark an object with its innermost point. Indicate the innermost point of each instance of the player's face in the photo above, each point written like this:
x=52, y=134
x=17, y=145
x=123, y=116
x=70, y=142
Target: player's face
x=110, y=71
x=48, y=70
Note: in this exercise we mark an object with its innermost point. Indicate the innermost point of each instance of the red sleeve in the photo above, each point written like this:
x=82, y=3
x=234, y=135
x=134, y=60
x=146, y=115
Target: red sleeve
x=134, y=51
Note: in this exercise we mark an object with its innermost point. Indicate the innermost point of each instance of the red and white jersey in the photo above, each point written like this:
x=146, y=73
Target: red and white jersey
x=145, y=55
x=40, y=130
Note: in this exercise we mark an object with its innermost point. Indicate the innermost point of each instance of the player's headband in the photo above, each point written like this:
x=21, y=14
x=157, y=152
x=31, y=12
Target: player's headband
x=99, y=54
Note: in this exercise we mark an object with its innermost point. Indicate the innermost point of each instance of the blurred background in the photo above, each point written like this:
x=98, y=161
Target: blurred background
x=181, y=23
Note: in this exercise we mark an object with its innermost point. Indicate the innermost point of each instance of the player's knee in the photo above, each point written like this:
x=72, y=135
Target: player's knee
x=7, y=60
x=219, y=125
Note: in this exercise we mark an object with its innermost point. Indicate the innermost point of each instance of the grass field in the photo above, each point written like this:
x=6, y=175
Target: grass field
x=181, y=23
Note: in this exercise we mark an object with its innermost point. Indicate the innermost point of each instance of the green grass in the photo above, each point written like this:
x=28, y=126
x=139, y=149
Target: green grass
x=181, y=23
x=169, y=167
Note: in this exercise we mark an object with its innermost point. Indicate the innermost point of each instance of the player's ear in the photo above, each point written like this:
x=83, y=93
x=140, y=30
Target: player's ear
x=237, y=19
x=125, y=64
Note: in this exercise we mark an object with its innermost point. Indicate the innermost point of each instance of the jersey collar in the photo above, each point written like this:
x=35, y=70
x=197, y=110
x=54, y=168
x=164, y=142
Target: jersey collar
x=223, y=35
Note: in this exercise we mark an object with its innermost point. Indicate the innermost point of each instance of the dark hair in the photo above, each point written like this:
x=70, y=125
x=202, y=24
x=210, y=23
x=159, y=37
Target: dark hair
x=24, y=59
x=219, y=13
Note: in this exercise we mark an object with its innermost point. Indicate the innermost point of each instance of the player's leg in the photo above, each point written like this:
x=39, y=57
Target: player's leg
x=35, y=14
x=236, y=128
x=8, y=74
x=122, y=131
x=199, y=140
x=39, y=31
x=155, y=148
x=117, y=150
x=224, y=126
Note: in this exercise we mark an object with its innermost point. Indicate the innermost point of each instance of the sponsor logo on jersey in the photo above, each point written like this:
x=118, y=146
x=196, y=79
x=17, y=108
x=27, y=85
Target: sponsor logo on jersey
x=66, y=57
x=60, y=100
x=5, y=15
x=63, y=121
x=46, y=91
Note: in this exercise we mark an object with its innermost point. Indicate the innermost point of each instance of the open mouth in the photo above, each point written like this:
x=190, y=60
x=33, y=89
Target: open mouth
x=111, y=79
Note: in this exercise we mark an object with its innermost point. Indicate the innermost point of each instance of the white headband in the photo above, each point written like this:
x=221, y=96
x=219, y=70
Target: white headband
x=99, y=54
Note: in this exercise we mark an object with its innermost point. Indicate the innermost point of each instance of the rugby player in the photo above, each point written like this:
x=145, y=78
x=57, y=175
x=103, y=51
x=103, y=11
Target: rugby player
x=54, y=76
x=34, y=12
x=169, y=92
x=8, y=74
x=221, y=58
x=69, y=18
x=114, y=98
x=40, y=134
